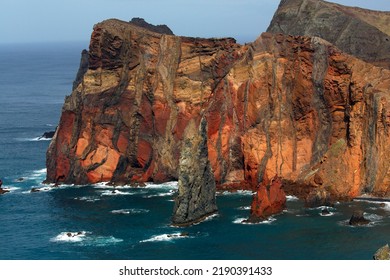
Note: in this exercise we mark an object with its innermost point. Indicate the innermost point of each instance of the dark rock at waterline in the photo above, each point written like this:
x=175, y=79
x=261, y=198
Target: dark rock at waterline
x=48, y=135
x=3, y=191
x=182, y=234
x=33, y=190
x=325, y=212
x=21, y=179
x=382, y=253
x=358, y=219
x=253, y=219
x=317, y=198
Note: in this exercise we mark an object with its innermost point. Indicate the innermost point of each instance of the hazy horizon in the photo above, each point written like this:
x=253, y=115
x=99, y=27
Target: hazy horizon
x=23, y=21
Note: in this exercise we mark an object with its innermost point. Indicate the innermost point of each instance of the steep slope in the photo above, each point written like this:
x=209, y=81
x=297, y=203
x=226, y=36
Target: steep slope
x=288, y=106
x=362, y=33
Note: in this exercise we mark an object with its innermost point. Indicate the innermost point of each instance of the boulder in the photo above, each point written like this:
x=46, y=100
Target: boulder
x=325, y=212
x=382, y=253
x=317, y=198
x=358, y=219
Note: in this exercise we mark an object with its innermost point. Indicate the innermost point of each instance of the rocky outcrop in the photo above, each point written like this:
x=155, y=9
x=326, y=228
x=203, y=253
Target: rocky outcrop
x=360, y=32
x=358, y=219
x=317, y=198
x=196, y=194
x=291, y=106
x=269, y=199
x=162, y=28
x=83, y=68
x=382, y=253
x=47, y=135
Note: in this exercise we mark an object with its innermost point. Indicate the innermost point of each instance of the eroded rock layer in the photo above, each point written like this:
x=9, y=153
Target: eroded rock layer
x=360, y=32
x=291, y=106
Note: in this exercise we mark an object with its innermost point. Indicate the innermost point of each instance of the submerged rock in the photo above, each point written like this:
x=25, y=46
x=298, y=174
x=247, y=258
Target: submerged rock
x=325, y=212
x=358, y=219
x=382, y=253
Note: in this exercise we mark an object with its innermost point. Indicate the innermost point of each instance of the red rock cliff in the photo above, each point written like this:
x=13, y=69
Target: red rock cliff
x=287, y=105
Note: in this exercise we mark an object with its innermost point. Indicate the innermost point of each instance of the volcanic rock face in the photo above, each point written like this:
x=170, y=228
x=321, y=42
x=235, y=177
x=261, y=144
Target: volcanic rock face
x=287, y=105
x=362, y=33
x=162, y=29
x=196, y=195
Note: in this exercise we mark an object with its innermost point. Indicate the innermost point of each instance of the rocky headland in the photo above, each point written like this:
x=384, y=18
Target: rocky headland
x=214, y=114
x=359, y=32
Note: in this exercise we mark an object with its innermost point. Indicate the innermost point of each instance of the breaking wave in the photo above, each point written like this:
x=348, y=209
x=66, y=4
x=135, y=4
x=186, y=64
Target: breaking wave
x=85, y=238
x=166, y=237
x=129, y=211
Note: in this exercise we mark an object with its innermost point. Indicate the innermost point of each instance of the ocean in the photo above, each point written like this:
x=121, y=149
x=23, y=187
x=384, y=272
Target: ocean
x=134, y=223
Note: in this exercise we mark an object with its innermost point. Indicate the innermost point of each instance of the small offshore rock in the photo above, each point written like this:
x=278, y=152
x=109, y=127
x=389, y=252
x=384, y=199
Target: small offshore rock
x=325, y=212
x=33, y=190
x=358, y=219
x=21, y=179
x=48, y=135
x=382, y=253
x=3, y=191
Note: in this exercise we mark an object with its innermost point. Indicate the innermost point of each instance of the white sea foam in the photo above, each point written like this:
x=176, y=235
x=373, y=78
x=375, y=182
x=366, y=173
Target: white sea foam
x=130, y=211
x=115, y=192
x=87, y=198
x=10, y=188
x=85, y=238
x=33, y=139
x=244, y=208
x=291, y=198
x=70, y=236
x=327, y=215
x=39, y=173
x=270, y=220
x=158, y=195
x=166, y=237
x=385, y=203
x=167, y=185
x=101, y=241
x=239, y=192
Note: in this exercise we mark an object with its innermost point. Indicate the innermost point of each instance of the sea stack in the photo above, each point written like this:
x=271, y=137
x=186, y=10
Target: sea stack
x=195, y=200
x=269, y=199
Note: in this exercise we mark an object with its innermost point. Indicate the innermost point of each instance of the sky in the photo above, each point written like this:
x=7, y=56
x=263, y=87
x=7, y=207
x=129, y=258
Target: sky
x=24, y=21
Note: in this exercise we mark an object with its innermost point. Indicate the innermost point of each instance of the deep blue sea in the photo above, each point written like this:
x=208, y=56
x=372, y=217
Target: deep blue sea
x=134, y=223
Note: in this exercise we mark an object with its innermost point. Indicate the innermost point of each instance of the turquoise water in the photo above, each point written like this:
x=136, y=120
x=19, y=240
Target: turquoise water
x=134, y=223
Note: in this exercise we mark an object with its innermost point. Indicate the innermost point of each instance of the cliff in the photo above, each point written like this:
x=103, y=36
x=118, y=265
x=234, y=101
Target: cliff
x=360, y=32
x=292, y=106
